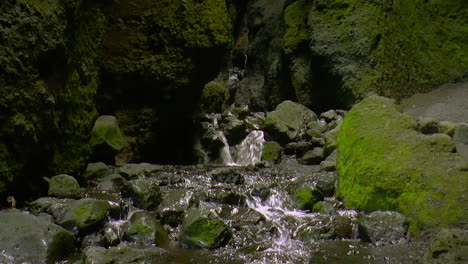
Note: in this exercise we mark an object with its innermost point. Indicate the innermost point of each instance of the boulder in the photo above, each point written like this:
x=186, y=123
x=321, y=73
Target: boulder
x=25, y=238
x=307, y=197
x=144, y=192
x=136, y=170
x=384, y=163
x=202, y=229
x=450, y=246
x=64, y=186
x=53, y=206
x=382, y=226
x=107, y=139
x=173, y=206
x=289, y=121
x=124, y=254
x=95, y=171
x=85, y=215
x=272, y=151
x=312, y=157
x=144, y=229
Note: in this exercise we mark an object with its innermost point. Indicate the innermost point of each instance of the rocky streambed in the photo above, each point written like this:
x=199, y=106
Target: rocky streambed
x=274, y=203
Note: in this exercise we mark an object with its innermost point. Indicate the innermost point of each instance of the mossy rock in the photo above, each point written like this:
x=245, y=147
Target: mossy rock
x=390, y=46
x=272, y=151
x=145, y=193
x=85, y=215
x=288, y=120
x=384, y=163
x=215, y=97
x=144, y=229
x=307, y=197
x=206, y=233
x=64, y=186
x=106, y=138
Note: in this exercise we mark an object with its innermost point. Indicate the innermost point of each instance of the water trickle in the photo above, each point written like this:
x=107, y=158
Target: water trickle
x=250, y=149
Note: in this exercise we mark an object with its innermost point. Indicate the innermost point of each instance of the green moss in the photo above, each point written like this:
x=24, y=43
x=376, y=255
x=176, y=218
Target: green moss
x=215, y=97
x=385, y=164
x=206, y=233
x=295, y=18
x=306, y=198
x=391, y=46
x=140, y=230
x=272, y=151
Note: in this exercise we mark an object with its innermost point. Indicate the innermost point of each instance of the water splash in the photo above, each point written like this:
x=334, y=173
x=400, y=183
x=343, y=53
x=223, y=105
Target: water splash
x=250, y=149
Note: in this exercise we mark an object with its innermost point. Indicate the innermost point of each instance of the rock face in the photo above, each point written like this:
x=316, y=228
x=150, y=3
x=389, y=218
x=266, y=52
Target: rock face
x=106, y=139
x=382, y=226
x=25, y=238
x=384, y=163
x=49, y=79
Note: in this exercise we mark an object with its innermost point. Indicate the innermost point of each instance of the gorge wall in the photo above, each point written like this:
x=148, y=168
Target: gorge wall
x=63, y=63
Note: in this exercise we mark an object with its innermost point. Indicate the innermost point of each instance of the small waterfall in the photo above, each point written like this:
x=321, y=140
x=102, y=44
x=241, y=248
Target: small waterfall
x=225, y=153
x=250, y=149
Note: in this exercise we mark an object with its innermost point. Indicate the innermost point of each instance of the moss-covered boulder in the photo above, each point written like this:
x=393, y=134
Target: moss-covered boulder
x=49, y=80
x=201, y=228
x=215, y=97
x=450, y=246
x=272, y=151
x=106, y=139
x=384, y=163
x=85, y=215
x=288, y=121
x=64, y=186
x=145, y=193
x=144, y=229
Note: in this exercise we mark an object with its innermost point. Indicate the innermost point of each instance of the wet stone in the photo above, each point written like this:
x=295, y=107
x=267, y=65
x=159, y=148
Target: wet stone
x=96, y=171
x=144, y=192
x=144, y=229
x=307, y=197
x=312, y=157
x=85, y=215
x=297, y=148
x=228, y=176
x=383, y=226
x=25, y=238
x=133, y=171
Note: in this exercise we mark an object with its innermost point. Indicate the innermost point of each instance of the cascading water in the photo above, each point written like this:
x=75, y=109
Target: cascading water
x=250, y=149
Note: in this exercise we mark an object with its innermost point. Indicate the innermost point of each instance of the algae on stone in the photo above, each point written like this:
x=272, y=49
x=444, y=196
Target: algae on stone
x=384, y=163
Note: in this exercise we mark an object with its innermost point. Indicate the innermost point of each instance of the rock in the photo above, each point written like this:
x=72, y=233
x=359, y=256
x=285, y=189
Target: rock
x=272, y=151
x=227, y=176
x=250, y=92
x=233, y=128
x=54, y=206
x=26, y=238
x=314, y=156
x=450, y=246
x=439, y=143
x=85, y=215
x=428, y=126
x=111, y=183
x=173, y=206
x=261, y=191
x=202, y=229
x=326, y=184
x=307, y=197
x=448, y=128
x=124, y=254
x=93, y=239
x=325, y=227
x=144, y=192
x=385, y=164
x=134, y=171
x=255, y=121
x=95, y=171
x=460, y=137
x=240, y=217
x=297, y=148
x=331, y=140
x=328, y=165
x=329, y=115
x=317, y=141
x=106, y=138
x=112, y=234
x=288, y=121
x=64, y=186
x=382, y=226
x=215, y=97
x=144, y=229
